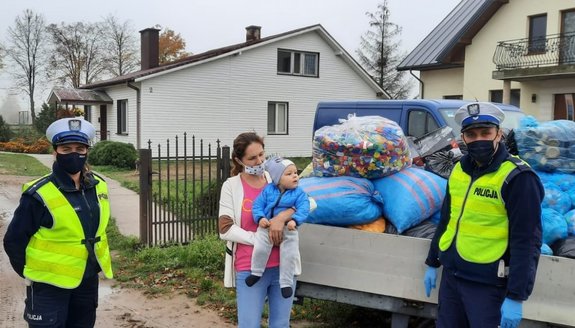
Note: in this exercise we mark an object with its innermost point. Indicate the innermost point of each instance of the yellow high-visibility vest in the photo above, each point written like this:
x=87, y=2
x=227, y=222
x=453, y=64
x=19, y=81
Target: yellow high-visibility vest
x=478, y=218
x=58, y=255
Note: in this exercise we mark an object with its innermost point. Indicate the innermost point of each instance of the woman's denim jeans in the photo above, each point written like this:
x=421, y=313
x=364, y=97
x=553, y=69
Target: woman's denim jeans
x=251, y=300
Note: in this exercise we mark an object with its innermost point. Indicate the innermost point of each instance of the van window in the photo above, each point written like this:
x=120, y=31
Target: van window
x=420, y=123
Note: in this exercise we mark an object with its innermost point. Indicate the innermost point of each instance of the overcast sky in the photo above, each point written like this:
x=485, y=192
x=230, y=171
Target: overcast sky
x=206, y=25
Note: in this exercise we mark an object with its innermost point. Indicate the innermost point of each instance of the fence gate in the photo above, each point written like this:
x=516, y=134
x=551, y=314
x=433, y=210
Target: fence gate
x=179, y=190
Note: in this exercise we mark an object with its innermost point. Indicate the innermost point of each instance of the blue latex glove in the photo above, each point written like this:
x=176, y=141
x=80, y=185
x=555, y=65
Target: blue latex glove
x=511, y=313
x=430, y=279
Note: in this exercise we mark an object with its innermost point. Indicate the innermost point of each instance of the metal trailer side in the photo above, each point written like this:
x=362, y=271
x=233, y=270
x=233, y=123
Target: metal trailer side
x=385, y=271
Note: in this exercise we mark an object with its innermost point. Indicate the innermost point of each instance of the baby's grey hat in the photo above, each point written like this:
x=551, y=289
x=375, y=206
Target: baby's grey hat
x=276, y=167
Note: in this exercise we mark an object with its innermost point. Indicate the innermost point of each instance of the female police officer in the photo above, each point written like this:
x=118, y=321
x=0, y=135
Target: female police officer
x=489, y=236
x=57, y=239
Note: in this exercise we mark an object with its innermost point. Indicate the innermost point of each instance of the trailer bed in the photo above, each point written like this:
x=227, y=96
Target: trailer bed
x=386, y=271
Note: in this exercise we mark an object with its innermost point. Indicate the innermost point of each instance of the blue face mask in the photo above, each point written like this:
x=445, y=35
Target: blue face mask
x=72, y=163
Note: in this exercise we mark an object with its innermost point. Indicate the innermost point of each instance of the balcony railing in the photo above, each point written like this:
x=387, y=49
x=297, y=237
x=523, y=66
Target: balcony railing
x=552, y=50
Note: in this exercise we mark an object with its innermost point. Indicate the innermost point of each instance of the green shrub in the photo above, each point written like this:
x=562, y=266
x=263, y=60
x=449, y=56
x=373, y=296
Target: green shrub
x=5, y=132
x=113, y=153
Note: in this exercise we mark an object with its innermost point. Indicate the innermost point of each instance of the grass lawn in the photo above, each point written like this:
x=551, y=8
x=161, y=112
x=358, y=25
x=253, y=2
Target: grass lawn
x=21, y=164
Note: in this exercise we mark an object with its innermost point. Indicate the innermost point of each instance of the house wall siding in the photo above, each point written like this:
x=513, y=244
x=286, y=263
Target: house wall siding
x=222, y=98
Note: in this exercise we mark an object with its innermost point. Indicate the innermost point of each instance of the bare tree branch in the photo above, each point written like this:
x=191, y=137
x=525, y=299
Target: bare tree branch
x=78, y=57
x=26, y=49
x=121, y=47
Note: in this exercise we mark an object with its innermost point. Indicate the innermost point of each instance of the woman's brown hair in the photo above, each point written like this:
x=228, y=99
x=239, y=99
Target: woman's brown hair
x=242, y=142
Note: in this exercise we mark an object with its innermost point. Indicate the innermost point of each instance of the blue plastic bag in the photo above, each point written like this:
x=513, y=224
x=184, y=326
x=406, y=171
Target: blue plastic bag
x=556, y=199
x=342, y=201
x=570, y=219
x=554, y=226
x=410, y=196
x=546, y=250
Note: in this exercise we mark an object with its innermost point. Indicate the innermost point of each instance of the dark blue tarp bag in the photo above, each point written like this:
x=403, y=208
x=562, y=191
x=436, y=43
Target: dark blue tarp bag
x=342, y=201
x=410, y=196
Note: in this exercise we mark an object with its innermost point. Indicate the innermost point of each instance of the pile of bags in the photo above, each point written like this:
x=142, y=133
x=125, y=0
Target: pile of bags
x=361, y=177
x=558, y=214
x=547, y=146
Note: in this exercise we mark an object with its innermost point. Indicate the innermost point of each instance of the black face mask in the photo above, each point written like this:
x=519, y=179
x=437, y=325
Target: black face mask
x=481, y=151
x=72, y=163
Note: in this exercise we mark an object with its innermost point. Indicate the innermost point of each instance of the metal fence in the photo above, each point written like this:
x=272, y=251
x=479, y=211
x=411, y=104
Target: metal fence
x=179, y=191
x=558, y=49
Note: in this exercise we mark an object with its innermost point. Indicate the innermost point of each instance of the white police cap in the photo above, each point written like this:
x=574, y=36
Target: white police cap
x=69, y=130
x=479, y=114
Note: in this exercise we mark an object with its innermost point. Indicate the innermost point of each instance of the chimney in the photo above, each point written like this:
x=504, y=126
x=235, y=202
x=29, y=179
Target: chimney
x=150, y=48
x=253, y=33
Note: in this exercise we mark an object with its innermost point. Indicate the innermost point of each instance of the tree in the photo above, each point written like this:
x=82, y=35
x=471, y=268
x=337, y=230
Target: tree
x=172, y=46
x=1, y=56
x=47, y=116
x=26, y=48
x=121, y=46
x=5, y=132
x=379, y=53
x=78, y=57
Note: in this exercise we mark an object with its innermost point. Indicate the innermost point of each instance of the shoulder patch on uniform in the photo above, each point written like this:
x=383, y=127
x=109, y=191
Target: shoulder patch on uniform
x=98, y=177
x=520, y=166
x=519, y=163
x=31, y=187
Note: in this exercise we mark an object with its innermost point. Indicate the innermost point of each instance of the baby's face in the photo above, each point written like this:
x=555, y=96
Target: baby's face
x=289, y=179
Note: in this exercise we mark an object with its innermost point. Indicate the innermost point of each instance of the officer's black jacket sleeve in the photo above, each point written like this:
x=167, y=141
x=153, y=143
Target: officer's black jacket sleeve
x=28, y=217
x=523, y=196
x=433, y=254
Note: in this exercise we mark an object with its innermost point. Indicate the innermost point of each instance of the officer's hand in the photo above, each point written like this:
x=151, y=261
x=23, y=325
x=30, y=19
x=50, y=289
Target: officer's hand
x=511, y=313
x=430, y=279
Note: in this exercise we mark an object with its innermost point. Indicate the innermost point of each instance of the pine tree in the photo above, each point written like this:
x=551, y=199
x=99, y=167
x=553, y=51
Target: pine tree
x=379, y=53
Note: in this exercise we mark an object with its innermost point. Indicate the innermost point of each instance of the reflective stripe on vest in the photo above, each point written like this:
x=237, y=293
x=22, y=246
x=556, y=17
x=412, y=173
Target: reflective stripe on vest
x=57, y=255
x=478, y=218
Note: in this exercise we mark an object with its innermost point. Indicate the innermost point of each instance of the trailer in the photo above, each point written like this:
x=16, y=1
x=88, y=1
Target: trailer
x=385, y=271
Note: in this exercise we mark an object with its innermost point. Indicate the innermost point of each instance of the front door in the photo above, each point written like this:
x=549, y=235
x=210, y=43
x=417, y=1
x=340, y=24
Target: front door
x=563, y=107
x=103, y=122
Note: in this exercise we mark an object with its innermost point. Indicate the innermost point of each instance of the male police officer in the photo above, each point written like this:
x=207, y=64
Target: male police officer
x=489, y=236
x=57, y=239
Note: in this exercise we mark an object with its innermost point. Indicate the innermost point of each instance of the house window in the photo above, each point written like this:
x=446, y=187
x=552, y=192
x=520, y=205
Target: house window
x=298, y=63
x=497, y=96
x=420, y=123
x=122, y=116
x=88, y=113
x=456, y=97
x=277, y=117
x=537, y=33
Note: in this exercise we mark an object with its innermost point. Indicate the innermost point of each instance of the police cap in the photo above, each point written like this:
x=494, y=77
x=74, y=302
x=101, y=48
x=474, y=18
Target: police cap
x=70, y=130
x=479, y=114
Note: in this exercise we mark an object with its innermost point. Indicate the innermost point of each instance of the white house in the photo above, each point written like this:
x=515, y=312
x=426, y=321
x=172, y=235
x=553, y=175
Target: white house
x=268, y=85
x=513, y=51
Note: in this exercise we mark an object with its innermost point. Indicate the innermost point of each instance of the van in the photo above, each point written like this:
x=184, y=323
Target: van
x=416, y=117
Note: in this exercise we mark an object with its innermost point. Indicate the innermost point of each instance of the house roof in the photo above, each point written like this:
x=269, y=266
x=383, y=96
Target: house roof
x=78, y=96
x=445, y=46
x=231, y=50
